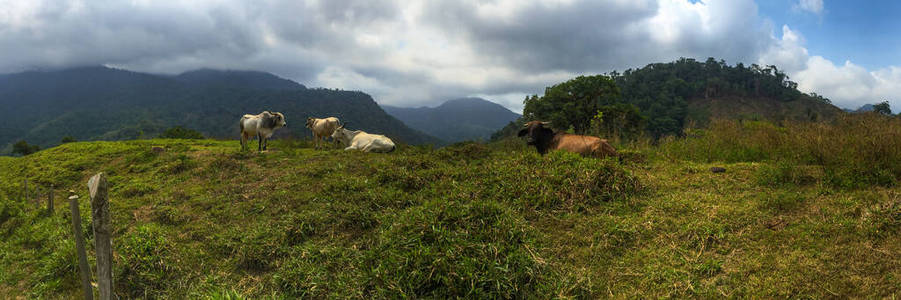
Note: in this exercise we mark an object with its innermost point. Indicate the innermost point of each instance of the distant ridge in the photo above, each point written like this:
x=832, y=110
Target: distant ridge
x=457, y=119
x=237, y=79
x=100, y=103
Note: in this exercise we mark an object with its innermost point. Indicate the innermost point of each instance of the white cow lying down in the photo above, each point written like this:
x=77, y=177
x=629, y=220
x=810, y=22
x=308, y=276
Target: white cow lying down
x=359, y=140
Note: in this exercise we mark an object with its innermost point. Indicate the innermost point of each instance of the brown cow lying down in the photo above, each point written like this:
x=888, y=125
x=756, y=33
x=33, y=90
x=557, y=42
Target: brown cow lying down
x=545, y=139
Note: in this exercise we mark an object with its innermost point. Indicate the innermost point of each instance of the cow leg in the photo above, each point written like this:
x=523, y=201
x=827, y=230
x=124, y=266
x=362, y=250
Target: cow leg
x=367, y=148
x=266, y=143
x=259, y=142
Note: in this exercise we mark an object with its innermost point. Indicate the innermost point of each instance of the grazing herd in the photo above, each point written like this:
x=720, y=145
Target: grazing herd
x=538, y=134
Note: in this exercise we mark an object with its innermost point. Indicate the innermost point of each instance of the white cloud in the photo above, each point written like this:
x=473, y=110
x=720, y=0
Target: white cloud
x=813, y=6
x=847, y=85
x=412, y=52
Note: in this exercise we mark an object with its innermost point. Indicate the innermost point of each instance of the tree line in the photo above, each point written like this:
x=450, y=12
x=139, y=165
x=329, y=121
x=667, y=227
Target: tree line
x=652, y=99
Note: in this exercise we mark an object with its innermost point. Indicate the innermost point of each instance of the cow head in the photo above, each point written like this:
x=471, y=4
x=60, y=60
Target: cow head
x=538, y=135
x=342, y=135
x=278, y=120
x=310, y=122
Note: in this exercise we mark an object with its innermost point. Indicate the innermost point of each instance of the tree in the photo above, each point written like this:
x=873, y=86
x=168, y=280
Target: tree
x=620, y=120
x=68, y=139
x=179, y=132
x=23, y=148
x=882, y=108
x=572, y=104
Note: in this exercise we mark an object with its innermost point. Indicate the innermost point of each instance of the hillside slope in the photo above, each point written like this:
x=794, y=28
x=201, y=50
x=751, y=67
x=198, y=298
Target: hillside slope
x=498, y=221
x=456, y=120
x=98, y=103
x=701, y=110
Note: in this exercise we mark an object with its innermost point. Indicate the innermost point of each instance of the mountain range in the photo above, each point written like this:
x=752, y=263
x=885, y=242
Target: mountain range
x=456, y=120
x=101, y=103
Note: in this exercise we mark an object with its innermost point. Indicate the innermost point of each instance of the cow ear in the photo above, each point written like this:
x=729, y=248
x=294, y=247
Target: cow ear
x=522, y=132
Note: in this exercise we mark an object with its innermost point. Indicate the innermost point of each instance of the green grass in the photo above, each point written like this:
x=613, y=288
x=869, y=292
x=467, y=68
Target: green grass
x=204, y=220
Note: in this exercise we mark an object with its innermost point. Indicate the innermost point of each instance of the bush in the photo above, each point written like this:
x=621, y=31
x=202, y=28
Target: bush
x=179, y=132
x=23, y=148
x=67, y=139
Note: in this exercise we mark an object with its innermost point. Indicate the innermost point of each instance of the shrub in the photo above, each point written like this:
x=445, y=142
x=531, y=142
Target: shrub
x=23, y=148
x=179, y=132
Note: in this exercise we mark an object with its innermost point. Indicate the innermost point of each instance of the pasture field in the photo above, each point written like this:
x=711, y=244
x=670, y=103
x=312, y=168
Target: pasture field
x=204, y=220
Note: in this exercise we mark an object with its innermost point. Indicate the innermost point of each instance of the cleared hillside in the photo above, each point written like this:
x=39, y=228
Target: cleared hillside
x=204, y=220
x=702, y=110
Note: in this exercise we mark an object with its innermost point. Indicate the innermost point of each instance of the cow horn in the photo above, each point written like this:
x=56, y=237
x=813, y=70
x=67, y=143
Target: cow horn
x=546, y=123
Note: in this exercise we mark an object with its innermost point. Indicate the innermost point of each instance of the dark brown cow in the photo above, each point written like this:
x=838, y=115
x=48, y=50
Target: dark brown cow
x=545, y=139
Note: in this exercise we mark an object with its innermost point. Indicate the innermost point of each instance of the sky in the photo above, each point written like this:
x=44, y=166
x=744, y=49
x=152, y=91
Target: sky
x=423, y=52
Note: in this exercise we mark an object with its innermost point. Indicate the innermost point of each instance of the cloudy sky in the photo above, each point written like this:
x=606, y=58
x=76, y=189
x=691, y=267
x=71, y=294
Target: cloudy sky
x=422, y=52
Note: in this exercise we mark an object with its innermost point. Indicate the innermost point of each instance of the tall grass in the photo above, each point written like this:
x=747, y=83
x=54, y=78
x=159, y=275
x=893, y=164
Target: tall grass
x=854, y=151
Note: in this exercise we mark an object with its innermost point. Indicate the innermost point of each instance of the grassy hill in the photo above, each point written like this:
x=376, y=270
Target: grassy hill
x=456, y=120
x=203, y=220
x=99, y=103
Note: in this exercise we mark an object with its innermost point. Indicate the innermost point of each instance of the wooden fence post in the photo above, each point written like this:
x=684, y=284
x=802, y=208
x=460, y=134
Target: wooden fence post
x=37, y=197
x=79, y=247
x=50, y=201
x=99, y=189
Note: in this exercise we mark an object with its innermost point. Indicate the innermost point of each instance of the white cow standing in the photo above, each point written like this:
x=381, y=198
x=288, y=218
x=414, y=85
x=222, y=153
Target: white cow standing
x=262, y=126
x=322, y=128
x=360, y=140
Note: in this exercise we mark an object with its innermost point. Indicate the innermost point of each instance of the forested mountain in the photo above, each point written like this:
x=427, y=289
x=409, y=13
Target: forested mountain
x=671, y=94
x=99, y=103
x=663, y=98
x=456, y=120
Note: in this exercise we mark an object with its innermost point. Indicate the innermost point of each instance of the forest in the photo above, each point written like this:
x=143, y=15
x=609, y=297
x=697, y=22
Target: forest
x=654, y=100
